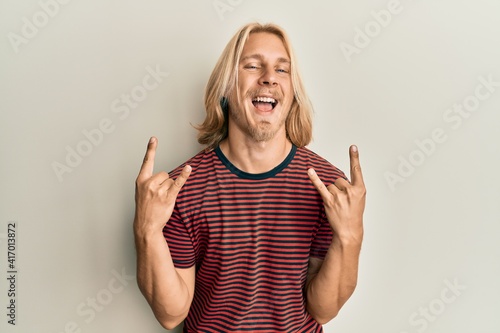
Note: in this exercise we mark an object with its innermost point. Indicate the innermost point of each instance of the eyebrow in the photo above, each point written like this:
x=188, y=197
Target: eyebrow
x=259, y=56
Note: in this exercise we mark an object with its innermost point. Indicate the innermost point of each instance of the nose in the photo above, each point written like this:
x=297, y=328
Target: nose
x=268, y=78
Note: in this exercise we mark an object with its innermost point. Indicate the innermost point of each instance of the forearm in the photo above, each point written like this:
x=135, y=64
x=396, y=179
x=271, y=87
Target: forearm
x=331, y=287
x=164, y=289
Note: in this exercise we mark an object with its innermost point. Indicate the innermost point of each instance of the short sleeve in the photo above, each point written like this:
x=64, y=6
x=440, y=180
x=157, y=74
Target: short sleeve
x=322, y=240
x=179, y=241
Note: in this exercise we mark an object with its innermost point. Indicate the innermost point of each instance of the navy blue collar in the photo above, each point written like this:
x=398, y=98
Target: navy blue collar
x=256, y=176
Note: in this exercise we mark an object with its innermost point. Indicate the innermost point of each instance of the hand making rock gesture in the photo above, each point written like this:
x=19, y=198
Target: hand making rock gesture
x=155, y=195
x=344, y=201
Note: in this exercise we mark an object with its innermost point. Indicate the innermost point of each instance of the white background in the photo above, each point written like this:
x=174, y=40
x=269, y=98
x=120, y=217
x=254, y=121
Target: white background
x=436, y=226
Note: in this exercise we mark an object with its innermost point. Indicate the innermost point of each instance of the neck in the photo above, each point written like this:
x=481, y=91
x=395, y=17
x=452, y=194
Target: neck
x=256, y=156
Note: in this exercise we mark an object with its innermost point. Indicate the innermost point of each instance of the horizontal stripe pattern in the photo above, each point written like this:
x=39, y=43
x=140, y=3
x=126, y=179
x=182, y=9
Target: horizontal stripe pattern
x=250, y=237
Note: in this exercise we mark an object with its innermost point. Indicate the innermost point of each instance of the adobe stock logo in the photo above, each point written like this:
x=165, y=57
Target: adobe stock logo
x=97, y=303
x=363, y=37
x=94, y=137
x=224, y=6
x=421, y=319
x=31, y=27
x=426, y=147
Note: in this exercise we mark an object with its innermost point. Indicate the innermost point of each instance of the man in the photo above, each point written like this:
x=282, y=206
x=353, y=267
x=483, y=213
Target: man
x=248, y=237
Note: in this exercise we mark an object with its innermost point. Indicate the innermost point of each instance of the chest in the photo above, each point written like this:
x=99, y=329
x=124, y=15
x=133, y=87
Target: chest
x=254, y=221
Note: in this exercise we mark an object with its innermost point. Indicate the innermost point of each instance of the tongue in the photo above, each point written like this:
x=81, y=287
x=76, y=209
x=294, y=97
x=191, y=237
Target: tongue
x=264, y=107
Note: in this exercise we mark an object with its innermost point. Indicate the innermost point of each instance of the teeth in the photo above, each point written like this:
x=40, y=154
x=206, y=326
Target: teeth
x=264, y=99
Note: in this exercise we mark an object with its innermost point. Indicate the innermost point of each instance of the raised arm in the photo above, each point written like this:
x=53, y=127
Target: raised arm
x=331, y=282
x=169, y=291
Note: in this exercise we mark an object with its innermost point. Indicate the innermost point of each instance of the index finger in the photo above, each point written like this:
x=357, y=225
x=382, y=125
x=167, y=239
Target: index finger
x=148, y=164
x=356, y=174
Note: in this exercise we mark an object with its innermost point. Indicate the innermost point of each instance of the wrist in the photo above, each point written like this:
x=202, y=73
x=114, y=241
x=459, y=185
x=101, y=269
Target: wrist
x=144, y=231
x=350, y=240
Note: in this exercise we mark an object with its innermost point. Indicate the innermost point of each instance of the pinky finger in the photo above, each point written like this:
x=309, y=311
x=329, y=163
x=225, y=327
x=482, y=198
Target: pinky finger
x=318, y=184
x=181, y=179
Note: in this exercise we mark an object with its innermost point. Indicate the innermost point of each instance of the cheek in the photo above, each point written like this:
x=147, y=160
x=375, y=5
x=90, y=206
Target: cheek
x=288, y=102
x=241, y=91
x=288, y=90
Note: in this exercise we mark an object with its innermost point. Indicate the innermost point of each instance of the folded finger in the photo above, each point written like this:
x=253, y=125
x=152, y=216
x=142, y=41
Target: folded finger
x=341, y=184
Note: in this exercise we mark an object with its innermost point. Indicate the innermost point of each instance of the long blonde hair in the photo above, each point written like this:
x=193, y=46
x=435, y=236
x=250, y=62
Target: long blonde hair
x=224, y=78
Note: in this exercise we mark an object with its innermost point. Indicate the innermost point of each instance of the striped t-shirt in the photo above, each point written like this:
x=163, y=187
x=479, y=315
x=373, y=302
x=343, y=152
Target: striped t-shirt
x=250, y=237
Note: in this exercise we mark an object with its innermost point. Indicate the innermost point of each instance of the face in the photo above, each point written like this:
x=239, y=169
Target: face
x=264, y=87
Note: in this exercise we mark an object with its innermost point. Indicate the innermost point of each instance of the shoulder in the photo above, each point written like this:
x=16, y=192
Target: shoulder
x=325, y=170
x=201, y=163
x=203, y=172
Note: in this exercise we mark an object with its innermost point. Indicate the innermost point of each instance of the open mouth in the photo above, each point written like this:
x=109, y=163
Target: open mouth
x=264, y=104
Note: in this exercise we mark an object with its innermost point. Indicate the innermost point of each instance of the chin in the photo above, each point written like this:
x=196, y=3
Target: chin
x=263, y=132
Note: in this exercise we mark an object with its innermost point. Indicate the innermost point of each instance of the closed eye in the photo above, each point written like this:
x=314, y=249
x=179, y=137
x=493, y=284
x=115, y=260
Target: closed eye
x=251, y=67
